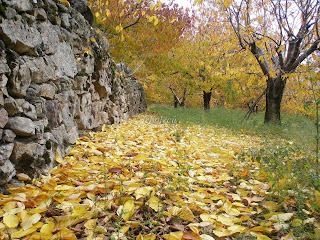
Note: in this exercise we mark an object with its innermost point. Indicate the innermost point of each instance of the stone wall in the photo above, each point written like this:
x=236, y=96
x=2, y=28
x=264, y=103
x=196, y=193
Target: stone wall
x=56, y=79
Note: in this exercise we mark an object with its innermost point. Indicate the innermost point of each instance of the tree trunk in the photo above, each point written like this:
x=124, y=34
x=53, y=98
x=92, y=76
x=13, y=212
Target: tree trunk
x=184, y=98
x=175, y=102
x=274, y=95
x=206, y=100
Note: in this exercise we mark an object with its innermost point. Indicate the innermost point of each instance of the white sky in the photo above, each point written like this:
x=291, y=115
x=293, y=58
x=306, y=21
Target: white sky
x=183, y=3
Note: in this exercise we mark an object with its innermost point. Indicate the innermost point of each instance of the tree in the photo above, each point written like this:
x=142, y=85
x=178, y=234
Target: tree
x=280, y=34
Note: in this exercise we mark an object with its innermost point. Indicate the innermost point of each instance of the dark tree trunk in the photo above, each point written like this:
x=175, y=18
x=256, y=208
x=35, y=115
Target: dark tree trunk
x=206, y=100
x=274, y=95
x=183, y=98
x=175, y=102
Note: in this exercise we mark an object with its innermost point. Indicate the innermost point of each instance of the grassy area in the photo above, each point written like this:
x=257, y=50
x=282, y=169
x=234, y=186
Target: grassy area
x=298, y=129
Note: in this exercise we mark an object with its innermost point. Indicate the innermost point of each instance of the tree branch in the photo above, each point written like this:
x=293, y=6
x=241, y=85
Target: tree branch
x=132, y=24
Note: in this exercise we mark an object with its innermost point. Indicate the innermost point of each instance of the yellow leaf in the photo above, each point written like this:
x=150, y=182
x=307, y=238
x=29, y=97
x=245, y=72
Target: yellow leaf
x=87, y=51
x=92, y=39
x=271, y=206
x=263, y=237
x=23, y=177
x=317, y=195
x=66, y=233
x=155, y=203
x=173, y=236
x=100, y=229
x=186, y=214
x=90, y=224
x=11, y=221
x=150, y=236
x=222, y=232
x=206, y=237
x=225, y=220
x=156, y=21
x=108, y=13
x=281, y=217
x=128, y=210
x=23, y=233
x=58, y=158
x=122, y=13
x=227, y=3
x=47, y=228
x=296, y=222
x=65, y=2
x=31, y=221
x=78, y=211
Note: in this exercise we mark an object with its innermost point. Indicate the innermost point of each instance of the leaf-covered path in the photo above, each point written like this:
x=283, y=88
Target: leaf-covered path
x=147, y=181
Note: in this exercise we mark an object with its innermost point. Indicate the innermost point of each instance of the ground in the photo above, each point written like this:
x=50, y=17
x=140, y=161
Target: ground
x=144, y=180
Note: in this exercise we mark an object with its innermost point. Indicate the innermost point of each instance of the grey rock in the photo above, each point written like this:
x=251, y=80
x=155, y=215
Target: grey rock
x=65, y=20
x=4, y=68
x=81, y=84
x=72, y=135
x=25, y=152
x=7, y=171
x=21, y=126
x=41, y=69
x=9, y=135
x=40, y=107
x=3, y=117
x=29, y=18
x=50, y=36
x=29, y=110
x=10, y=13
x=39, y=125
x=82, y=7
x=60, y=134
x=5, y=152
x=48, y=91
x=64, y=61
x=40, y=14
x=20, y=5
x=1, y=99
x=20, y=79
x=11, y=106
x=1, y=133
x=52, y=113
x=19, y=36
x=3, y=84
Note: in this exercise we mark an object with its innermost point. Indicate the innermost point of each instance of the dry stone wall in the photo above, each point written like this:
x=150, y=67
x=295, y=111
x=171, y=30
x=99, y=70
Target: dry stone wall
x=56, y=79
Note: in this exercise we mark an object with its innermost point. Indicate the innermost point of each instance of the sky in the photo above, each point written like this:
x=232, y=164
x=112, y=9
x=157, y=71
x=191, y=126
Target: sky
x=184, y=3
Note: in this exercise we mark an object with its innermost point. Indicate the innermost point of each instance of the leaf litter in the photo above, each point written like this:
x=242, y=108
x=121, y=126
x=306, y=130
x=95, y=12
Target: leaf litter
x=149, y=181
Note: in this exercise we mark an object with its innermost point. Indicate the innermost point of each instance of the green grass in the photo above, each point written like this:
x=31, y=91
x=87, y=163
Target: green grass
x=298, y=129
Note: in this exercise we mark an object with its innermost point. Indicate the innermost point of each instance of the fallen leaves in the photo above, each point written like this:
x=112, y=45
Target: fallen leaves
x=140, y=181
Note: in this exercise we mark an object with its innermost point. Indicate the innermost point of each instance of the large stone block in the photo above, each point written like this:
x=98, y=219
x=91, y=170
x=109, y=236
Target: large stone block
x=7, y=171
x=20, y=5
x=19, y=36
x=64, y=61
x=21, y=126
x=48, y=91
x=41, y=69
x=20, y=78
x=25, y=154
x=11, y=106
x=3, y=117
x=5, y=152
